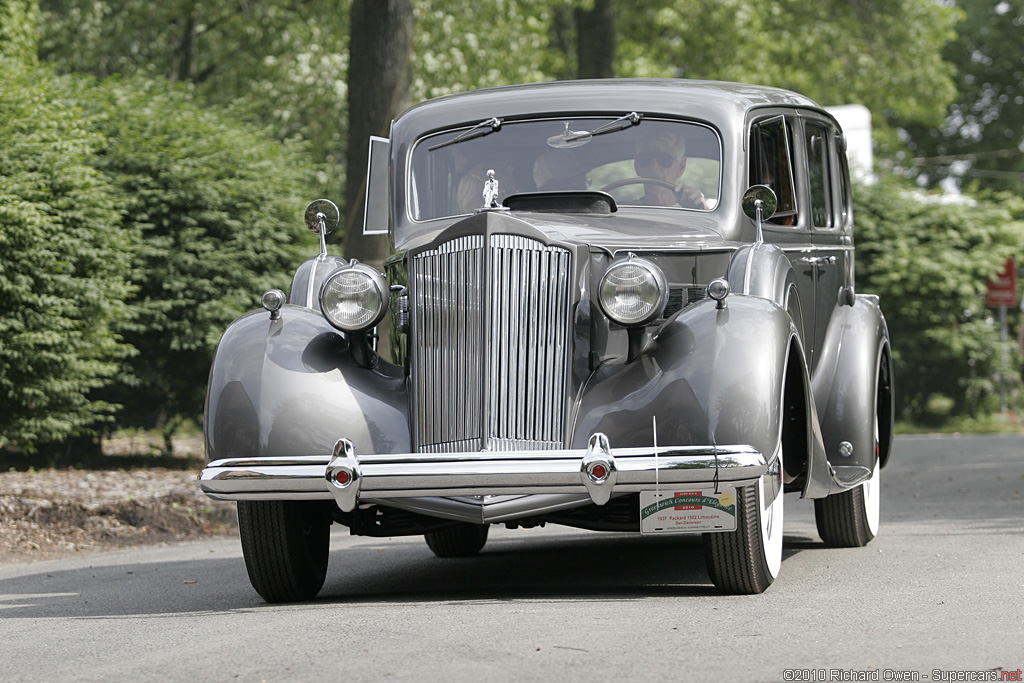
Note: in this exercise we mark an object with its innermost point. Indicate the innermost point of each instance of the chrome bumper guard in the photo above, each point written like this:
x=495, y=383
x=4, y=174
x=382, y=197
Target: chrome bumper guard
x=597, y=471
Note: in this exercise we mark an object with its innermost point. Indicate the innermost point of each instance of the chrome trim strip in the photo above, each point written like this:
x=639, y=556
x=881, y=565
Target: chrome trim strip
x=848, y=476
x=412, y=475
x=488, y=509
x=311, y=295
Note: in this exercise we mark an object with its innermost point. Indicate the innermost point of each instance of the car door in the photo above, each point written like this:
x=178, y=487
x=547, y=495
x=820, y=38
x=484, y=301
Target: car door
x=828, y=216
x=773, y=161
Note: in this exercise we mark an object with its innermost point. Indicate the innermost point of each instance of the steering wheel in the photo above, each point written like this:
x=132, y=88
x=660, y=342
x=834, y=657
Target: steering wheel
x=636, y=181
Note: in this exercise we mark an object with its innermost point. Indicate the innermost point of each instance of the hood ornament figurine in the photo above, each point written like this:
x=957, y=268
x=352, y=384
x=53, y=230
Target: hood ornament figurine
x=491, y=191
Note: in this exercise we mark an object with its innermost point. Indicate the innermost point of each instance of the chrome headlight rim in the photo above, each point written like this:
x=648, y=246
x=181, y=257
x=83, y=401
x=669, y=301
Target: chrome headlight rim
x=652, y=307
x=371, y=310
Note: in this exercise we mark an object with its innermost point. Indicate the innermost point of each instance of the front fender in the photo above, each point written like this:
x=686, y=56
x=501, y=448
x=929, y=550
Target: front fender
x=289, y=387
x=310, y=277
x=850, y=390
x=764, y=270
x=709, y=377
x=761, y=270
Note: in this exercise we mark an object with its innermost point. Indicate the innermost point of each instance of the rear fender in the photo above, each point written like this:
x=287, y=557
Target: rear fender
x=852, y=384
x=289, y=387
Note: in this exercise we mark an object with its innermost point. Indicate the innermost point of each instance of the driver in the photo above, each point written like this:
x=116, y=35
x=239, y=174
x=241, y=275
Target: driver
x=661, y=155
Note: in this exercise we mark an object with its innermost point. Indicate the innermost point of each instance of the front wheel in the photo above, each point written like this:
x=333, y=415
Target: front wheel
x=286, y=545
x=747, y=560
x=850, y=519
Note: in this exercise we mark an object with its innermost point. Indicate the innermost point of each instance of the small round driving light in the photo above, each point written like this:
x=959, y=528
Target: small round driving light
x=354, y=298
x=718, y=289
x=633, y=292
x=273, y=300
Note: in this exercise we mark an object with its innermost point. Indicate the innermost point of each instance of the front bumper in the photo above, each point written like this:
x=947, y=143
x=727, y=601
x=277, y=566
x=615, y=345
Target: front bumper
x=597, y=472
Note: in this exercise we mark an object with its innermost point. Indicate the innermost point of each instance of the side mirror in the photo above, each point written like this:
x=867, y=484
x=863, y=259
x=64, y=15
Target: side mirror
x=322, y=217
x=759, y=204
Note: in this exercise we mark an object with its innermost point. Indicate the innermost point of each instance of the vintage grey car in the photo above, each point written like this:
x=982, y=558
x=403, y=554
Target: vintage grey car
x=622, y=305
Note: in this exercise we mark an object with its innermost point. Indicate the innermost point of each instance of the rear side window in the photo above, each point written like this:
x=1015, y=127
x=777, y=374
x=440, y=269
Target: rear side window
x=818, y=140
x=771, y=164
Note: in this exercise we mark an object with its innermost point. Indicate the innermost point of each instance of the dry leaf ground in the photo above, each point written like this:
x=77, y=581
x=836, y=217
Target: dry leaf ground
x=52, y=513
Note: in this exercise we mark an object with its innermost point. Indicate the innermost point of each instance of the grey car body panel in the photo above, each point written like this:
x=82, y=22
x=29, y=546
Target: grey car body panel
x=708, y=376
x=288, y=387
x=309, y=278
x=845, y=388
x=700, y=377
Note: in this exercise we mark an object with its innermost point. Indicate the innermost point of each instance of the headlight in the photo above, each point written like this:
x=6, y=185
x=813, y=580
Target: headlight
x=354, y=298
x=633, y=292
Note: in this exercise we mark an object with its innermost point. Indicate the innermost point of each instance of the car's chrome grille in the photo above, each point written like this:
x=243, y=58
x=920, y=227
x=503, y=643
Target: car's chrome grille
x=490, y=344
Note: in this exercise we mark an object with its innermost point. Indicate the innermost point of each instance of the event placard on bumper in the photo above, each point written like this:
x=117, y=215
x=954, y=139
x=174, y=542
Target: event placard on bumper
x=692, y=510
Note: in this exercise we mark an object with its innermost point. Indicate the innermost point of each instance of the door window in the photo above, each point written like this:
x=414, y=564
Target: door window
x=771, y=165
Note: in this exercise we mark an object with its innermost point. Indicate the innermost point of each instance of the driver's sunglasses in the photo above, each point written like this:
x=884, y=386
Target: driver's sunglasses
x=664, y=159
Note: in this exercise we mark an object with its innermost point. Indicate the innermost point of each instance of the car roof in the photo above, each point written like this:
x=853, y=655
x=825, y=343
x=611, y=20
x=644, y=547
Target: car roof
x=707, y=100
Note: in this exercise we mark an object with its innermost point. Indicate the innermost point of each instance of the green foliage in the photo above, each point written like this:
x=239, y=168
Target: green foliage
x=120, y=187
x=884, y=54
x=930, y=261
x=63, y=262
x=980, y=141
x=460, y=46
x=286, y=64
x=276, y=62
x=217, y=207
x=18, y=41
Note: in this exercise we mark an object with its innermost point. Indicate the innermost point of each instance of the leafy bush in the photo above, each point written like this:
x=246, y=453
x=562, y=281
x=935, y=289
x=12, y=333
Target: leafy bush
x=218, y=209
x=930, y=261
x=135, y=225
x=63, y=266
x=18, y=21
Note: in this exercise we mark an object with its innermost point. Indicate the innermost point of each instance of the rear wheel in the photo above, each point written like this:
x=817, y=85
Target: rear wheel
x=461, y=540
x=850, y=519
x=748, y=560
x=286, y=546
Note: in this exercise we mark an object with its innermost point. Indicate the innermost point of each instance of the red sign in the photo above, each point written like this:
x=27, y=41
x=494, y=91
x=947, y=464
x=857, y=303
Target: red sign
x=688, y=507
x=1002, y=290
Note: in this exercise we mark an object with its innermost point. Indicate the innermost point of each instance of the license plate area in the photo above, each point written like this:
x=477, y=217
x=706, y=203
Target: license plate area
x=688, y=510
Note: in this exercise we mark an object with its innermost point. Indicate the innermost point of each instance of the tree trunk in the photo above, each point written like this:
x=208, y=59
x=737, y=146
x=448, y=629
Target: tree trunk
x=185, y=56
x=595, y=40
x=562, y=38
x=380, y=55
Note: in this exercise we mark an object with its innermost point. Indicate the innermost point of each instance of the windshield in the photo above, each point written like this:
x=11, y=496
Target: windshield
x=638, y=160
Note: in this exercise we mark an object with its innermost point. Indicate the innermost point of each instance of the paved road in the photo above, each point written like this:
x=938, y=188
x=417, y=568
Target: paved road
x=940, y=590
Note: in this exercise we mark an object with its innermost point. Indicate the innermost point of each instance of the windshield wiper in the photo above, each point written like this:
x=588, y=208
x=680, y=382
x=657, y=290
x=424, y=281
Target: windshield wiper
x=630, y=119
x=479, y=130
